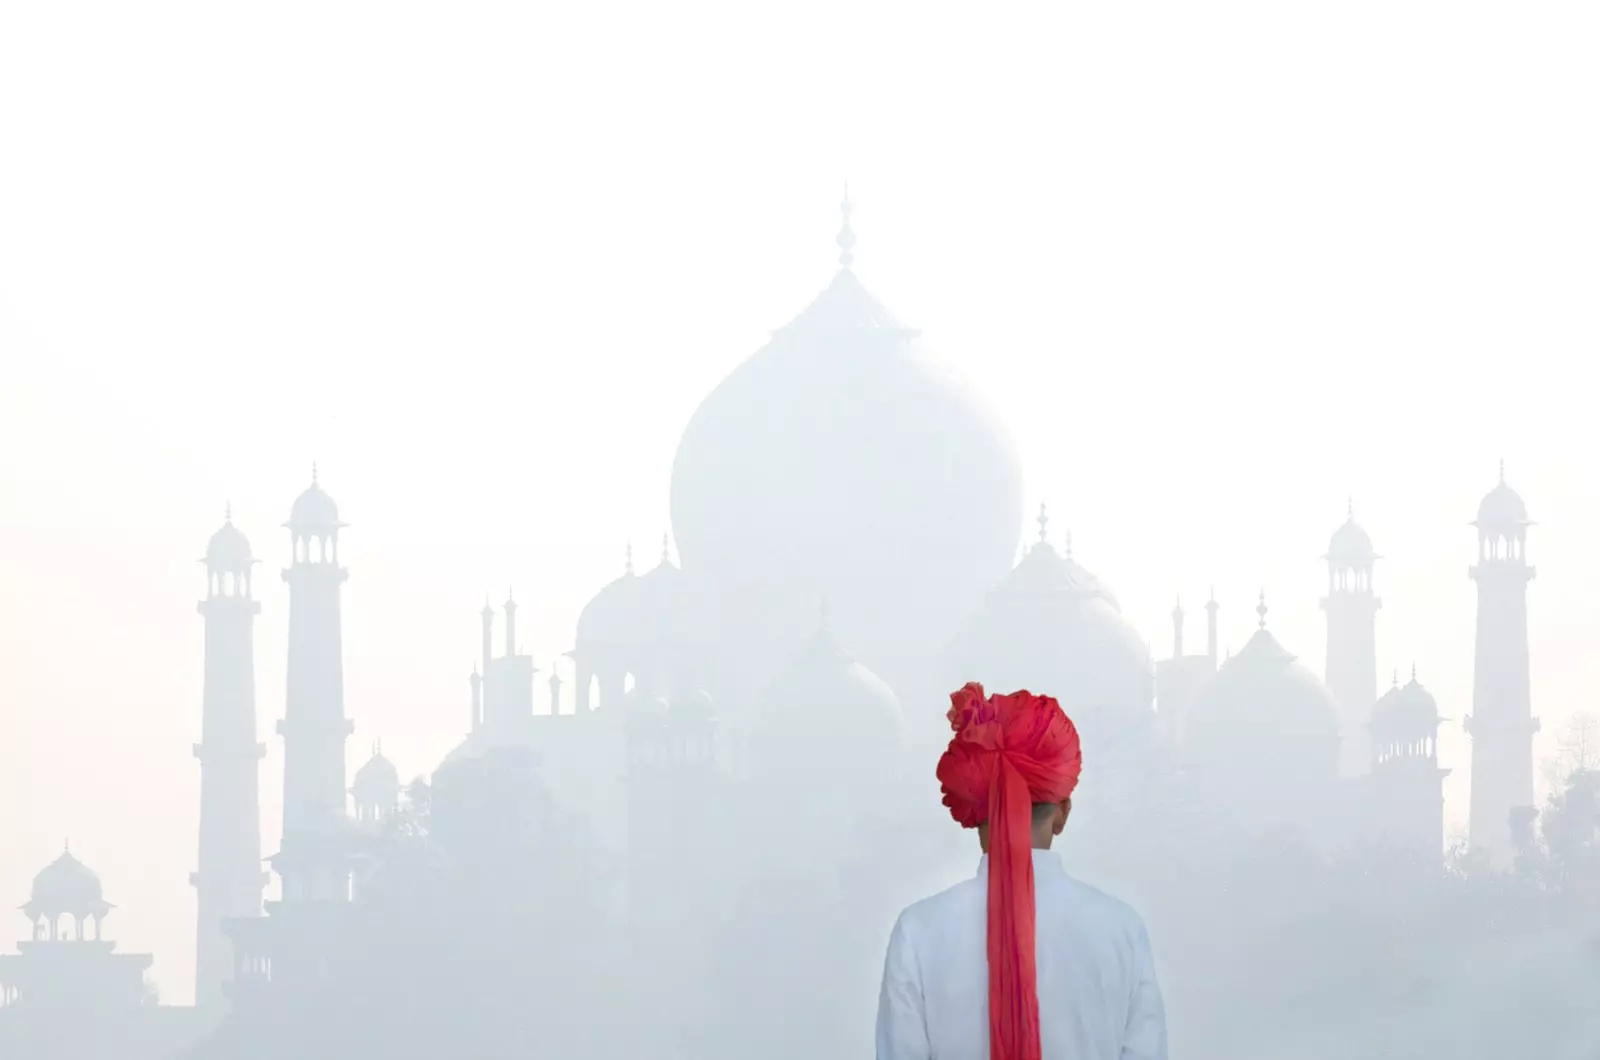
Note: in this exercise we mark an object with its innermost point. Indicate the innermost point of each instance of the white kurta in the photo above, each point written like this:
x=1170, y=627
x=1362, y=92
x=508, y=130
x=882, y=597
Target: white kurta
x=1098, y=997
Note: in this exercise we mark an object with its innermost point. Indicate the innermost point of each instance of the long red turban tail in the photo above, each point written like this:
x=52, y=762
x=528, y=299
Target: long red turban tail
x=1008, y=753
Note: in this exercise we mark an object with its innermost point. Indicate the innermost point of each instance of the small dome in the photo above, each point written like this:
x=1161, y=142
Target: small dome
x=827, y=713
x=1052, y=625
x=633, y=613
x=1263, y=705
x=314, y=510
x=611, y=618
x=378, y=775
x=228, y=549
x=1409, y=708
x=67, y=885
x=1351, y=544
x=1502, y=508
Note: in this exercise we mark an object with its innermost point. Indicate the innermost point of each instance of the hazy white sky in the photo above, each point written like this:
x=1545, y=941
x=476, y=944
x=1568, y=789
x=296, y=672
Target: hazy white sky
x=1221, y=264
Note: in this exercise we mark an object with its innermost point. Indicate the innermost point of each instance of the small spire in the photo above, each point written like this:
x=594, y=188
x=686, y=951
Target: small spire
x=1413, y=672
x=1261, y=609
x=1211, y=601
x=1044, y=524
x=377, y=748
x=1502, y=471
x=313, y=472
x=66, y=846
x=1396, y=679
x=847, y=237
x=1177, y=607
x=511, y=598
x=1350, y=509
x=227, y=513
x=1069, y=544
x=666, y=547
x=628, y=567
x=488, y=609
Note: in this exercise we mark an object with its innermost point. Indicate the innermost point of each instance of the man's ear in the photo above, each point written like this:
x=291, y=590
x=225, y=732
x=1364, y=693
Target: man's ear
x=1062, y=813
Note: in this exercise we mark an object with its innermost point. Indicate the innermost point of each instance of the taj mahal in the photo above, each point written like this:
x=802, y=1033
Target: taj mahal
x=849, y=541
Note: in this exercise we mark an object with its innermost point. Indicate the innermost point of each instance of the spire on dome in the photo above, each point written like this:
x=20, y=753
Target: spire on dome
x=1350, y=508
x=628, y=566
x=227, y=513
x=313, y=472
x=1044, y=524
x=666, y=548
x=1261, y=610
x=1502, y=471
x=1069, y=544
x=847, y=237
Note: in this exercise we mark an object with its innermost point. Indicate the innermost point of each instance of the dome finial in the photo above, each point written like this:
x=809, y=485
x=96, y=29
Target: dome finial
x=666, y=548
x=1350, y=509
x=1069, y=544
x=1044, y=524
x=1261, y=609
x=1413, y=672
x=628, y=566
x=313, y=472
x=227, y=513
x=1395, y=678
x=1502, y=471
x=847, y=237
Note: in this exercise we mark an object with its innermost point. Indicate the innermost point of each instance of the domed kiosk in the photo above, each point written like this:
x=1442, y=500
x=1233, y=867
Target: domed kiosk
x=1052, y=626
x=1264, y=736
x=843, y=460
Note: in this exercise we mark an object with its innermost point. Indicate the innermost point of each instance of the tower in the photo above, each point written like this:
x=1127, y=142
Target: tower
x=229, y=881
x=314, y=727
x=1408, y=785
x=1352, y=660
x=1502, y=724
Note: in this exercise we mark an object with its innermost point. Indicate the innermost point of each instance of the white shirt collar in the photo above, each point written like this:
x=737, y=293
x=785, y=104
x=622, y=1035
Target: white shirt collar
x=1043, y=861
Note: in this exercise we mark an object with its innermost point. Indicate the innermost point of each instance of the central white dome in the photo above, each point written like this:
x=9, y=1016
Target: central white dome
x=844, y=461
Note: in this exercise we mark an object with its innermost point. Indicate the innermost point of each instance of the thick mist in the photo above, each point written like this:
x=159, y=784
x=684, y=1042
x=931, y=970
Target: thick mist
x=488, y=535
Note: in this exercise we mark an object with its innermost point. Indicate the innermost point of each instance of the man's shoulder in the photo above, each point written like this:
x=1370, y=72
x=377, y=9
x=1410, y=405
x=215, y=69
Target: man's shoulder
x=953, y=903
x=1102, y=907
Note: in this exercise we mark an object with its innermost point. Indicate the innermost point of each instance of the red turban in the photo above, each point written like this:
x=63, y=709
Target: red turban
x=1008, y=753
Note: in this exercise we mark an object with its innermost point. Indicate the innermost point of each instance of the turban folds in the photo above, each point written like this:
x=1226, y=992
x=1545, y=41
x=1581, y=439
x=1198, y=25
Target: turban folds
x=1008, y=753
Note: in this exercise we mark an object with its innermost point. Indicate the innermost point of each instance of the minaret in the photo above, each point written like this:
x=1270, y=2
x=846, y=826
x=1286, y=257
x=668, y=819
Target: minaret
x=230, y=880
x=1211, y=629
x=314, y=727
x=1502, y=722
x=1352, y=660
